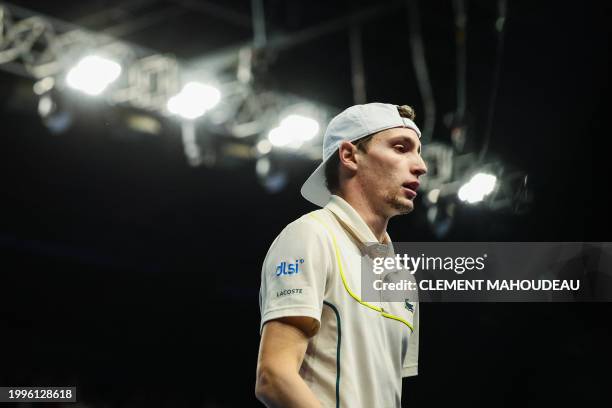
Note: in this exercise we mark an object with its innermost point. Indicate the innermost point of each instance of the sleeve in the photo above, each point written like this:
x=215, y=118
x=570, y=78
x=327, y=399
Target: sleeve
x=410, y=367
x=294, y=273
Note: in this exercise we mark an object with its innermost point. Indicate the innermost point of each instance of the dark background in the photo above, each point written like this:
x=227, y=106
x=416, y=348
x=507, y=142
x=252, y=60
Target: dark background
x=130, y=274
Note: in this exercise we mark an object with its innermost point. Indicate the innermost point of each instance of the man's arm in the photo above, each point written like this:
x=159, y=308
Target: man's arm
x=281, y=352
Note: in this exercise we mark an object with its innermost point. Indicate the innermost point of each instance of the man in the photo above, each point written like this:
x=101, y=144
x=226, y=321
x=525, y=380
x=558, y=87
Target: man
x=321, y=344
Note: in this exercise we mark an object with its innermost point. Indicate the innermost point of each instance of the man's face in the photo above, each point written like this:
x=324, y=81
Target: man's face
x=388, y=173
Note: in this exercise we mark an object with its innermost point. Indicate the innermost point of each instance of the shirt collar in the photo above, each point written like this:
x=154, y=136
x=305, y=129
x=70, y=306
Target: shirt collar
x=355, y=225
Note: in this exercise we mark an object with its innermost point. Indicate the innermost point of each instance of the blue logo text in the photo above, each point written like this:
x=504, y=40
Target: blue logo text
x=285, y=268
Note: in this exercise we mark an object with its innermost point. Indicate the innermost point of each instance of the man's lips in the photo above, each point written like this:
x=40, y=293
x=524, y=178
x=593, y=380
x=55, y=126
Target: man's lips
x=410, y=189
x=409, y=192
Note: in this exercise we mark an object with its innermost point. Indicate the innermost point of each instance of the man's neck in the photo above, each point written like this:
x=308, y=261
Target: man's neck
x=373, y=219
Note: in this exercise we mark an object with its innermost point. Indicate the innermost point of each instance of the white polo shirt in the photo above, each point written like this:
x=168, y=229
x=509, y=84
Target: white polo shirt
x=359, y=355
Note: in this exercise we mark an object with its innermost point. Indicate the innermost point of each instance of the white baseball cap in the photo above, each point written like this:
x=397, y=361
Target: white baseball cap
x=353, y=123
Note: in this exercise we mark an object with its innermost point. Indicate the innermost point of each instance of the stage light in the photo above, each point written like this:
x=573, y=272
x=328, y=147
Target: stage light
x=479, y=186
x=194, y=100
x=293, y=131
x=93, y=74
x=280, y=138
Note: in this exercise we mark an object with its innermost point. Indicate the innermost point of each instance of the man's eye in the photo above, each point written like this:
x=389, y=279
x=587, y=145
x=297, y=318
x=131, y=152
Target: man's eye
x=400, y=148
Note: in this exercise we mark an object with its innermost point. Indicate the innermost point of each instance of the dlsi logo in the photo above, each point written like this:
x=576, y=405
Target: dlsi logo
x=285, y=268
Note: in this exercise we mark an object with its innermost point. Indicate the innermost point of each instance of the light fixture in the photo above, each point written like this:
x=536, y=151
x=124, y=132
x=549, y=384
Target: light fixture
x=93, y=74
x=194, y=100
x=293, y=131
x=479, y=186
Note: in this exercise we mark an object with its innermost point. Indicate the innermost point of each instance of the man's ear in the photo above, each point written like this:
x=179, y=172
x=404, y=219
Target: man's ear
x=347, y=152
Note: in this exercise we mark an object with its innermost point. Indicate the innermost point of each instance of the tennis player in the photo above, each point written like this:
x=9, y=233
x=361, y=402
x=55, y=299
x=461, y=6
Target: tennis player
x=321, y=344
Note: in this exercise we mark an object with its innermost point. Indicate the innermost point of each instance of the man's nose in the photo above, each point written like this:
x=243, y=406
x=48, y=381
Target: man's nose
x=419, y=168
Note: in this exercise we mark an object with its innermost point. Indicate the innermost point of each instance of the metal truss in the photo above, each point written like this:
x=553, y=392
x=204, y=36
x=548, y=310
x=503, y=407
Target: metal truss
x=39, y=47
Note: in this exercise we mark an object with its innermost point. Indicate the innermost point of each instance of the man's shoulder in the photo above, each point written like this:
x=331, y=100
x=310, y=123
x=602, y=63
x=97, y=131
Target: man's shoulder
x=311, y=224
x=303, y=233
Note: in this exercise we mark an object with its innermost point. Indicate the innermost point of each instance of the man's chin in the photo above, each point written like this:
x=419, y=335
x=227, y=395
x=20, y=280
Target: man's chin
x=402, y=205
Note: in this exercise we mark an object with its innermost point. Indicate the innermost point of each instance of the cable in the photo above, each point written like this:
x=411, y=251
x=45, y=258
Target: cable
x=420, y=69
x=259, y=24
x=500, y=25
x=461, y=57
x=357, y=69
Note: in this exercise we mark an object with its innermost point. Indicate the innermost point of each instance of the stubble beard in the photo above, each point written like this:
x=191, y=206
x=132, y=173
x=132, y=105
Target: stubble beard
x=396, y=201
